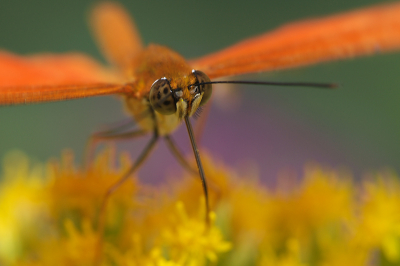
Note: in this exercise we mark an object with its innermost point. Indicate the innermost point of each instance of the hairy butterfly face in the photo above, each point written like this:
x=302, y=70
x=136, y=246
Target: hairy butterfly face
x=182, y=96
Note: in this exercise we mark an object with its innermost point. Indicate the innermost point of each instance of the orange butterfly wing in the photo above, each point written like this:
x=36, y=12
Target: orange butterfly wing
x=59, y=77
x=46, y=77
x=360, y=32
x=116, y=34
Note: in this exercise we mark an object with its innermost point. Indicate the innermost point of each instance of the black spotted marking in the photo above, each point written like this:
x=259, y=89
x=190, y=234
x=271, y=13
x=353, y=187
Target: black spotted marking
x=161, y=97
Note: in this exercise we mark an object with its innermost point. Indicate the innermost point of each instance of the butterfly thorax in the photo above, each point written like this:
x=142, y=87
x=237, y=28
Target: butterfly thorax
x=154, y=63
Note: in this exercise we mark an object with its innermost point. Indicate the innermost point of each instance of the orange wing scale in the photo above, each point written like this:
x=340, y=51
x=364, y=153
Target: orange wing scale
x=360, y=32
x=33, y=94
x=116, y=34
x=46, y=77
x=48, y=69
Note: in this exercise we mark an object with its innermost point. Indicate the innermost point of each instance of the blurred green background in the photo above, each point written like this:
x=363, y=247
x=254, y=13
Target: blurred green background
x=272, y=130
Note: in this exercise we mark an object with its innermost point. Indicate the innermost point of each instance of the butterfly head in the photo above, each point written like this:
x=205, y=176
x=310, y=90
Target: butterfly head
x=180, y=96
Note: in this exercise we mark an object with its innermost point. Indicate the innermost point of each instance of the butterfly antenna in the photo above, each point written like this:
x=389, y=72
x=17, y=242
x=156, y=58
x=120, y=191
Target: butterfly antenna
x=273, y=83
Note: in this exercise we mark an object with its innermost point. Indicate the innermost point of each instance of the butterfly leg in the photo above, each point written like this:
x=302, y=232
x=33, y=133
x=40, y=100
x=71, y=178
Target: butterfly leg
x=113, y=134
x=178, y=155
x=102, y=213
x=186, y=165
x=143, y=156
x=199, y=167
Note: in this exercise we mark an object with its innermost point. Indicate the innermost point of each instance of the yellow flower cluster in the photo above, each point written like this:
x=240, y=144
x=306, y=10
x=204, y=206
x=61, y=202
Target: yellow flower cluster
x=49, y=215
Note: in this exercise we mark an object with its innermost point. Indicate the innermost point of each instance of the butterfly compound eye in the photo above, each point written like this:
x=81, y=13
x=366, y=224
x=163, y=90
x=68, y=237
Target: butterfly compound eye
x=161, y=98
x=206, y=89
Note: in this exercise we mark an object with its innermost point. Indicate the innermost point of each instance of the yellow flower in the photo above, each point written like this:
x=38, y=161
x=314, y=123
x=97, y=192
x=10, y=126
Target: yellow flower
x=190, y=240
x=81, y=192
x=51, y=215
x=380, y=216
x=290, y=257
x=23, y=204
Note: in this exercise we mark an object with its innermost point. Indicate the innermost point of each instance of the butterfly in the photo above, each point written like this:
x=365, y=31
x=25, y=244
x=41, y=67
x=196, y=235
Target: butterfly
x=50, y=78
